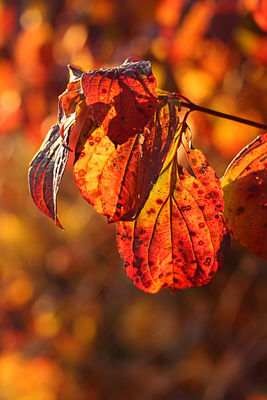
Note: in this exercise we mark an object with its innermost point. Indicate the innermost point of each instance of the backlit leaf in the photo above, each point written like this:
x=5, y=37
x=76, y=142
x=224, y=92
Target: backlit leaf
x=245, y=193
x=122, y=99
x=180, y=237
x=45, y=173
x=117, y=180
x=118, y=103
x=48, y=165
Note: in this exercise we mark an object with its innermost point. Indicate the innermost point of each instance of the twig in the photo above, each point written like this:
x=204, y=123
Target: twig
x=194, y=107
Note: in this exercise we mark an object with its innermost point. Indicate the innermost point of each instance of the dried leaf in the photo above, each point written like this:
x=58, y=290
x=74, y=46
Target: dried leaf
x=117, y=180
x=180, y=237
x=245, y=193
x=48, y=165
x=45, y=173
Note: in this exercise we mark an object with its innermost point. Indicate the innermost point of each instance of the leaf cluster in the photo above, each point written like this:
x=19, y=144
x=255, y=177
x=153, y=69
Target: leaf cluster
x=172, y=230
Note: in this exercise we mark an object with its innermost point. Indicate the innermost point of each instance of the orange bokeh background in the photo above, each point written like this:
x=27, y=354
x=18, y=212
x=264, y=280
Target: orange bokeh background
x=72, y=324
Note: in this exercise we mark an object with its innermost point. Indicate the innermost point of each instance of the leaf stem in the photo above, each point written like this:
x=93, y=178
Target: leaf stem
x=194, y=107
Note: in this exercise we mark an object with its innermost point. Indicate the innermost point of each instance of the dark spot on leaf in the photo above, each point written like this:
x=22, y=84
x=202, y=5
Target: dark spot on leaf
x=203, y=170
x=208, y=261
x=119, y=205
x=185, y=208
x=192, y=233
x=91, y=143
x=160, y=276
x=138, y=262
x=200, y=242
x=216, y=216
x=181, y=243
x=251, y=195
x=240, y=209
x=140, y=96
x=139, y=272
x=150, y=263
x=175, y=280
x=117, y=213
x=201, y=225
x=142, y=232
x=159, y=201
x=200, y=191
x=104, y=90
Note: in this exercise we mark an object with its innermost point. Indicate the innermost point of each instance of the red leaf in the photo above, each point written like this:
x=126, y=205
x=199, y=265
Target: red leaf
x=180, y=237
x=122, y=99
x=45, y=173
x=117, y=180
x=245, y=193
x=48, y=165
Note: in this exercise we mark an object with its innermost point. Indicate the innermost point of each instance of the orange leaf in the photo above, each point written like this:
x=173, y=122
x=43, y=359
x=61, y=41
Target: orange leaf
x=245, y=193
x=117, y=180
x=180, y=237
x=122, y=99
x=118, y=103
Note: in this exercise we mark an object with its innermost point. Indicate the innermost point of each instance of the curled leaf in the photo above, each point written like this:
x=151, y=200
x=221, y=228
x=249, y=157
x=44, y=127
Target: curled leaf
x=117, y=180
x=48, y=165
x=180, y=237
x=245, y=194
x=45, y=173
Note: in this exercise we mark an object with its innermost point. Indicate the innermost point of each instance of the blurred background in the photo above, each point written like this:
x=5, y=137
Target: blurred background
x=72, y=324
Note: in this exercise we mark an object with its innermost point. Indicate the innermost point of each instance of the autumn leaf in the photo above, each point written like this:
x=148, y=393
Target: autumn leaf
x=45, y=173
x=117, y=180
x=180, y=237
x=245, y=194
x=48, y=165
x=116, y=105
x=122, y=99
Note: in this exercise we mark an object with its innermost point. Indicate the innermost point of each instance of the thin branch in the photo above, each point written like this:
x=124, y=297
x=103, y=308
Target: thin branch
x=194, y=107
